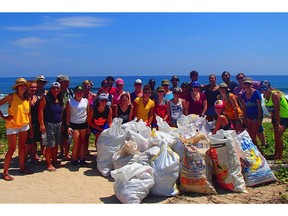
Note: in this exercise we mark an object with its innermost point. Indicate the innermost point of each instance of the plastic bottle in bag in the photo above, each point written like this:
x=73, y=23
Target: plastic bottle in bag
x=44, y=138
x=70, y=136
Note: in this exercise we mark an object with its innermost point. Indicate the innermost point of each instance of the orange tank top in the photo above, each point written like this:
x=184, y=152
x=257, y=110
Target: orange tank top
x=20, y=111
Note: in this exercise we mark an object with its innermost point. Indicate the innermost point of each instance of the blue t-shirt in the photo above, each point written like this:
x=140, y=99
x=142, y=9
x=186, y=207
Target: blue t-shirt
x=251, y=104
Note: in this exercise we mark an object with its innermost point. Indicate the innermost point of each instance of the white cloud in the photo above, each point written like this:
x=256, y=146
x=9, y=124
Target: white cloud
x=63, y=23
x=29, y=42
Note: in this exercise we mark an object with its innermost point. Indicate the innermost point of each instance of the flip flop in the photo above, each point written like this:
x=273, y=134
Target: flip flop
x=7, y=177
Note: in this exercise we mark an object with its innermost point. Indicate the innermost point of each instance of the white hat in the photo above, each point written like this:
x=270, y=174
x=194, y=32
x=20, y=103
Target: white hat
x=103, y=96
x=138, y=81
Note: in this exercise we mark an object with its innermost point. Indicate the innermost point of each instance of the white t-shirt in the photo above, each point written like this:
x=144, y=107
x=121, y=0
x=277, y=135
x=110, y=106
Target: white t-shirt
x=78, y=110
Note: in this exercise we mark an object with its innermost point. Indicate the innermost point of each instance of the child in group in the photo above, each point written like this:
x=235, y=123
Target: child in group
x=222, y=121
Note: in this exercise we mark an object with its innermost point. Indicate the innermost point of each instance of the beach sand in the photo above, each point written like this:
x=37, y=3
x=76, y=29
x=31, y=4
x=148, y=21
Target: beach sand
x=86, y=185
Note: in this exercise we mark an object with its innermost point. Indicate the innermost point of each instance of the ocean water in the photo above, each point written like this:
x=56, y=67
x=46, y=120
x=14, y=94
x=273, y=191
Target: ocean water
x=278, y=82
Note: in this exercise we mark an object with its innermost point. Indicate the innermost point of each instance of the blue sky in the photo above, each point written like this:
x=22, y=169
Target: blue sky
x=142, y=43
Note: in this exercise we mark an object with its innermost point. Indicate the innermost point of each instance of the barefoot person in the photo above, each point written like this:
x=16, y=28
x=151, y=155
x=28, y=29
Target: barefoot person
x=277, y=105
x=77, y=110
x=17, y=123
x=50, y=120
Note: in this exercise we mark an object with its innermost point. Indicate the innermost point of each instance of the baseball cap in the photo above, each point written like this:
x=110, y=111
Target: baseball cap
x=55, y=84
x=160, y=89
x=195, y=84
x=78, y=88
x=138, y=81
x=62, y=78
x=264, y=85
x=103, y=96
x=219, y=104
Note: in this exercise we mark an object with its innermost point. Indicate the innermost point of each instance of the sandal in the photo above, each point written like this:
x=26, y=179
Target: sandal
x=7, y=177
x=26, y=171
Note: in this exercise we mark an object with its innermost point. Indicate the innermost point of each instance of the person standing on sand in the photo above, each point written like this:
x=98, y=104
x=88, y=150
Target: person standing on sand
x=88, y=94
x=76, y=120
x=50, y=120
x=34, y=132
x=238, y=91
x=196, y=101
x=17, y=123
x=252, y=109
x=66, y=94
x=137, y=90
x=41, y=82
x=277, y=105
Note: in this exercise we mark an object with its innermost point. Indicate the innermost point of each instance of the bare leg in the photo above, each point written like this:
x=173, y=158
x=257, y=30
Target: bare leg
x=12, y=140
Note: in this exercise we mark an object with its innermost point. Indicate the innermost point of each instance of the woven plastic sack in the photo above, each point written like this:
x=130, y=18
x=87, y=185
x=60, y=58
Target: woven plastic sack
x=196, y=173
x=254, y=166
x=166, y=171
x=132, y=182
x=227, y=166
x=109, y=142
x=127, y=153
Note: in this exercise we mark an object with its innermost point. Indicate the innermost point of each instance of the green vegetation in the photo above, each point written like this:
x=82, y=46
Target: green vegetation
x=281, y=173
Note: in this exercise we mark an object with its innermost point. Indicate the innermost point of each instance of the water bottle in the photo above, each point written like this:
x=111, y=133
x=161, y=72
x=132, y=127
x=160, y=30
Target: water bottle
x=44, y=138
x=70, y=136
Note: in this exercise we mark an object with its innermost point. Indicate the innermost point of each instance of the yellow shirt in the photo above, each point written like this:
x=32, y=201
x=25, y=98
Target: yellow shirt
x=20, y=111
x=143, y=112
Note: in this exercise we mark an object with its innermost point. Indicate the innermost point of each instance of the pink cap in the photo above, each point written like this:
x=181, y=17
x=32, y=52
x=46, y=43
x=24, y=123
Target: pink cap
x=119, y=81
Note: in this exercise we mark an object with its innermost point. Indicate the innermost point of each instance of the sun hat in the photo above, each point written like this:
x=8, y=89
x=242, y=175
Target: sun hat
x=177, y=90
x=165, y=82
x=160, y=89
x=195, y=84
x=41, y=78
x=223, y=85
x=103, y=96
x=62, y=78
x=264, y=85
x=219, y=104
x=55, y=84
x=138, y=81
x=78, y=88
x=20, y=81
x=174, y=77
x=247, y=80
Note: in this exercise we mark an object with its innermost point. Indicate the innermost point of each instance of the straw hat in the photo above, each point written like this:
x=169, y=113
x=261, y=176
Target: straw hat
x=41, y=79
x=20, y=81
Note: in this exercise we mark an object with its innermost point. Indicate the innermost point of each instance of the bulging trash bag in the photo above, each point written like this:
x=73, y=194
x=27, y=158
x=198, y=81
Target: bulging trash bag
x=132, y=182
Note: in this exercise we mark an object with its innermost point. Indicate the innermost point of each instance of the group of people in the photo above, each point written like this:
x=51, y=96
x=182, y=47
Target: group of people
x=55, y=116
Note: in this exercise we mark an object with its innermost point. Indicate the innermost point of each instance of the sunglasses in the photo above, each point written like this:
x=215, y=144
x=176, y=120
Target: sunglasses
x=147, y=92
x=87, y=86
x=104, y=100
x=240, y=78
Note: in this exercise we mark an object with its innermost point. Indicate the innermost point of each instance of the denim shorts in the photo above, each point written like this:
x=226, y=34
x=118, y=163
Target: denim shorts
x=54, y=135
x=10, y=131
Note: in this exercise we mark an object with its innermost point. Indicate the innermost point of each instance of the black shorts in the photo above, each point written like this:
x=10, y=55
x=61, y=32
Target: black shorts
x=78, y=126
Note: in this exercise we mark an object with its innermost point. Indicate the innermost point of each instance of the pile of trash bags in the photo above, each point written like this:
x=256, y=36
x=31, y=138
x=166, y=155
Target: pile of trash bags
x=168, y=161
